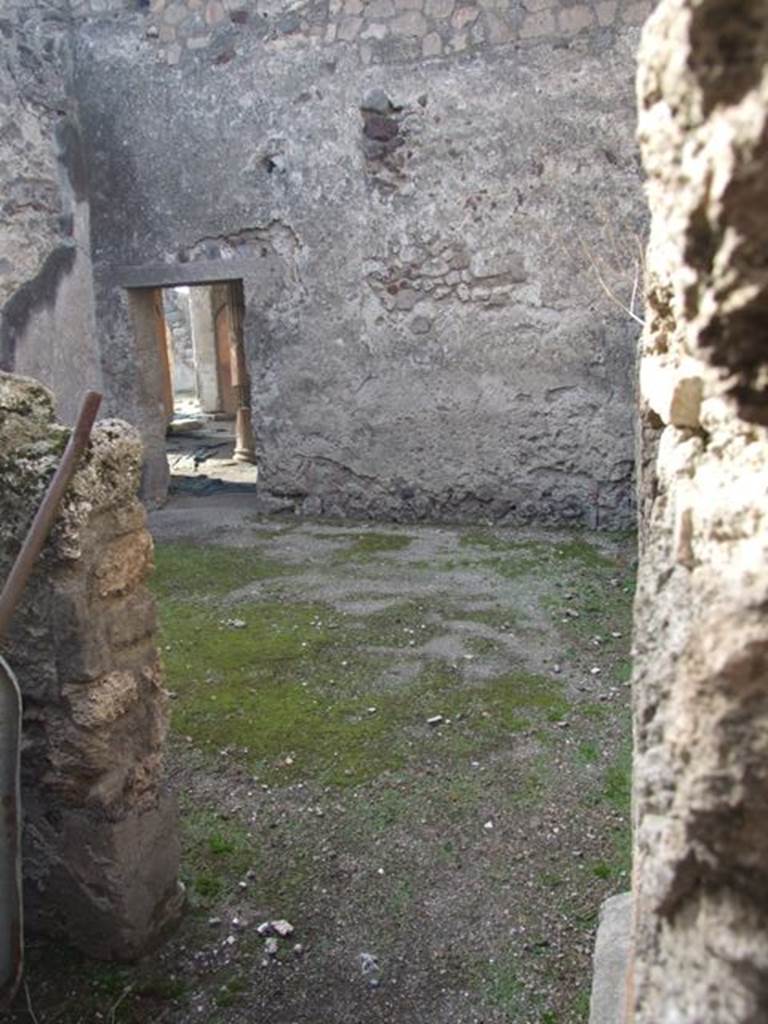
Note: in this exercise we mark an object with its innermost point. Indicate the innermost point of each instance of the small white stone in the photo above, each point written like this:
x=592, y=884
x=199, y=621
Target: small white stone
x=282, y=927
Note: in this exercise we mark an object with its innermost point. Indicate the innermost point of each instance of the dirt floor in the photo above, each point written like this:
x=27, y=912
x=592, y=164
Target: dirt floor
x=411, y=743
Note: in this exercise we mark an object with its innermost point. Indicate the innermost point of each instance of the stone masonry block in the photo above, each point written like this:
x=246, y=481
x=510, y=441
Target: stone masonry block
x=123, y=564
x=672, y=389
x=118, y=893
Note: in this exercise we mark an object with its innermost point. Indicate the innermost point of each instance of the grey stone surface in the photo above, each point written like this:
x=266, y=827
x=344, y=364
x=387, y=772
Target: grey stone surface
x=470, y=204
x=611, y=960
x=47, y=327
x=701, y=629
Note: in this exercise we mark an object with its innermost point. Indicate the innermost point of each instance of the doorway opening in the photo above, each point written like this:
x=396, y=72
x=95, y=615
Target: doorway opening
x=206, y=386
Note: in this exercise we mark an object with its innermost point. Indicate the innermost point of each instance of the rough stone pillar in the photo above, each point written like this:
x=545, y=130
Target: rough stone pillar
x=701, y=682
x=100, y=839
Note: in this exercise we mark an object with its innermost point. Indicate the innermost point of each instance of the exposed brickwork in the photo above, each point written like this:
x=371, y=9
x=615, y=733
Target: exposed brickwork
x=380, y=30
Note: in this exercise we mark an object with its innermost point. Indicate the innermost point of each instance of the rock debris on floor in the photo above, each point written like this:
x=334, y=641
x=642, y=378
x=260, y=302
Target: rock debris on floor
x=402, y=757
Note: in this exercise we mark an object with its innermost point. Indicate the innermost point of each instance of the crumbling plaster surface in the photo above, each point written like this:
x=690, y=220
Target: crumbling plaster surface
x=424, y=333
x=47, y=326
x=701, y=682
x=100, y=845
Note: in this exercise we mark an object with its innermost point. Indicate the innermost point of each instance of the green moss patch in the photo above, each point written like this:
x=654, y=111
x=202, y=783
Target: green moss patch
x=216, y=853
x=366, y=545
x=618, y=779
x=197, y=570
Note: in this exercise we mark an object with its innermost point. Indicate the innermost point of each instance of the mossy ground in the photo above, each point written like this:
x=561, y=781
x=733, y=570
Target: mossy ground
x=314, y=787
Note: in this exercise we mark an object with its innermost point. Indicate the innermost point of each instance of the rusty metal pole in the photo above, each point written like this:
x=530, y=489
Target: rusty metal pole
x=11, y=907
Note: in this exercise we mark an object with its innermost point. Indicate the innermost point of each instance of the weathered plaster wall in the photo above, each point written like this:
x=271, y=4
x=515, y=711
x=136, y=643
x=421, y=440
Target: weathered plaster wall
x=701, y=678
x=100, y=843
x=47, y=325
x=408, y=191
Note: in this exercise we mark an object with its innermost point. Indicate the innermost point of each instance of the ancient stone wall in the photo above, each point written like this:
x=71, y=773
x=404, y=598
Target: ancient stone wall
x=701, y=679
x=412, y=193
x=100, y=847
x=47, y=326
x=179, y=320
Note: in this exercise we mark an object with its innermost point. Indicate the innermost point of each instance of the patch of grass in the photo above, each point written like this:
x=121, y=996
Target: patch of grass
x=594, y=711
x=199, y=643
x=623, y=670
x=586, y=554
x=481, y=645
x=231, y=991
x=600, y=609
x=580, y=1005
x=110, y=980
x=522, y=691
x=617, y=780
x=216, y=854
x=513, y=566
x=499, y=618
x=550, y=880
x=585, y=918
x=533, y=784
x=161, y=987
x=196, y=570
x=588, y=752
x=618, y=864
x=396, y=625
x=384, y=808
x=400, y=897
x=455, y=797
x=622, y=850
x=503, y=989
x=485, y=539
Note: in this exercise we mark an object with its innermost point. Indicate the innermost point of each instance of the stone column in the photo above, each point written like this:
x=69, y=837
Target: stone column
x=204, y=343
x=101, y=849
x=701, y=676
